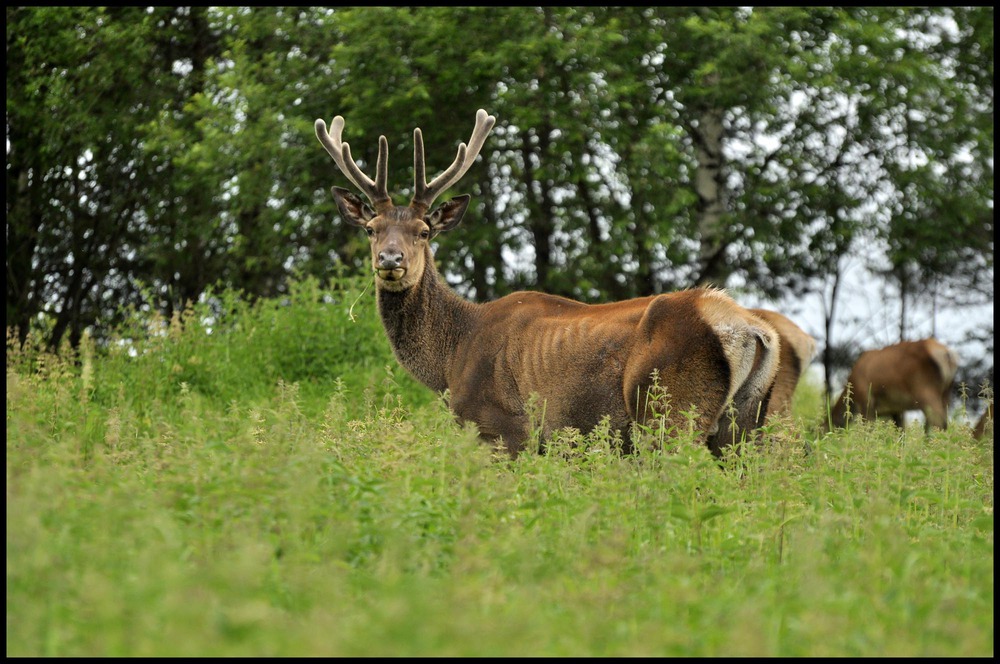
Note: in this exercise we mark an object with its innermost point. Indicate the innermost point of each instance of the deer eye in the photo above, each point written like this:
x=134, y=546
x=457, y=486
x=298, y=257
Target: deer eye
x=370, y=231
x=424, y=235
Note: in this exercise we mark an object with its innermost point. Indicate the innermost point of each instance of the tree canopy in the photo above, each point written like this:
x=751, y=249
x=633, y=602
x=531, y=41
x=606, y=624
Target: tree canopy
x=153, y=153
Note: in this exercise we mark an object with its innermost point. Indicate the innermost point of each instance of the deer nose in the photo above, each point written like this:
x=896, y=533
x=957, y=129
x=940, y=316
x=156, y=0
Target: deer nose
x=390, y=259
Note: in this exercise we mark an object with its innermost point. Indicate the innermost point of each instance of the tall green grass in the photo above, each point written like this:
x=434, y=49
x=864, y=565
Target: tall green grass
x=264, y=480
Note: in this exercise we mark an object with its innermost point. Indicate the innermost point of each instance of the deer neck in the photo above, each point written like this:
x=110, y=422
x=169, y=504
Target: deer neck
x=424, y=323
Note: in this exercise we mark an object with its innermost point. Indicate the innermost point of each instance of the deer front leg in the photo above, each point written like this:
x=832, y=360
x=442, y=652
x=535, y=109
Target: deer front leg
x=494, y=421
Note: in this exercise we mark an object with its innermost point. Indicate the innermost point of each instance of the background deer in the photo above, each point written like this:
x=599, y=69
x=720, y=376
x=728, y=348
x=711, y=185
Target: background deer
x=984, y=427
x=798, y=349
x=911, y=375
x=584, y=362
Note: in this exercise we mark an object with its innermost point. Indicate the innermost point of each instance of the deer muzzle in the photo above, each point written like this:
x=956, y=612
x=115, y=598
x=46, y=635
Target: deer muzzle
x=391, y=275
x=390, y=265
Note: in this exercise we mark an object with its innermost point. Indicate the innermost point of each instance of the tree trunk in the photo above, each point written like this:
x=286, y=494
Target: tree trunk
x=489, y=254
x=23, y=221
x=612, y=288
x=646, y=283
x=539, y=209
x=710, y=186
x=903, y=289
x=828, y=332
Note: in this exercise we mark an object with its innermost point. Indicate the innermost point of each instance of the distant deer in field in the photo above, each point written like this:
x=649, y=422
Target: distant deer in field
x=984, y=427
x=581, y=362
x=911, y=375
x=798, y=349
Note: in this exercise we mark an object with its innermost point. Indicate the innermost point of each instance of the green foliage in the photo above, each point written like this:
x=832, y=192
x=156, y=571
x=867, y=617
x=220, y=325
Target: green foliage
x=225, y=348
x=255, y=503
x=198, y=169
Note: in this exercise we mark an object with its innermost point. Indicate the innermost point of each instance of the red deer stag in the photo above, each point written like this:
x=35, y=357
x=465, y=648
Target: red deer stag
x=911, y=375
x=581, y=362
x=797, y=351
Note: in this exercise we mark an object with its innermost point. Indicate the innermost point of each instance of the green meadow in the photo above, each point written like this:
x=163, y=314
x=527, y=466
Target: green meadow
x=264, y=480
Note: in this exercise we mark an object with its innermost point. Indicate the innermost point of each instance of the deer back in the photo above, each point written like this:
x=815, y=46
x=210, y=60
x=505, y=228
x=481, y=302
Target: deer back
x=910, y=375
x=798, y=349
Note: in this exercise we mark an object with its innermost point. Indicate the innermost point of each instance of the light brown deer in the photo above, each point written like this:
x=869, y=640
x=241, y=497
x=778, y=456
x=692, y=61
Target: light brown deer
x=911, y=375
x=579, y=362
x=798, y=349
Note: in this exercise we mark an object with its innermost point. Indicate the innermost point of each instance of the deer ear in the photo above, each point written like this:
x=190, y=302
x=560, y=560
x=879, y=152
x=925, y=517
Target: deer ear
x=353, y=210
x=447, y=215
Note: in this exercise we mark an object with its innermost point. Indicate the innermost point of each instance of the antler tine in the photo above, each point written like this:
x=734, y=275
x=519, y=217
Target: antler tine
x=377, y=191
x=484, y=124
x=425, y=192
x=334, y=146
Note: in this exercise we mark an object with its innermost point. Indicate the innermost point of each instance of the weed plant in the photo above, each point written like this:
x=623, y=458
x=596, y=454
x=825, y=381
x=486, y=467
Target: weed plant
x=263, y=480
